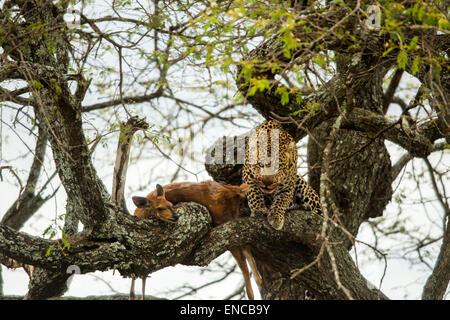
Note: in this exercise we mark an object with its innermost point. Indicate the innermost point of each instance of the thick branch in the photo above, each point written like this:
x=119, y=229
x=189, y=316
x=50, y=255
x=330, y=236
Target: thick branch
x=135, y=243
x=131, y=248
x=14, y=96
x=302, y=227
x=387, y=98
x=364, y=120
x=59, y=110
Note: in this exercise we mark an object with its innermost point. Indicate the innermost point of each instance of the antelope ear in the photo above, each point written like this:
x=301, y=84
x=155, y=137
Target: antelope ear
x=159, y=190
x=140, y=202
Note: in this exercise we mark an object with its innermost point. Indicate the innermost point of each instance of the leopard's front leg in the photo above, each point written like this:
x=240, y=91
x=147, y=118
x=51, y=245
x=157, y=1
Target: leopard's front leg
x=279, y=206
x=256, y=200
x=254, y=195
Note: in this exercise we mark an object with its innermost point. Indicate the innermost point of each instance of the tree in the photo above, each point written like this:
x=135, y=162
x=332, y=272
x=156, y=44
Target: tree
x=318, y=67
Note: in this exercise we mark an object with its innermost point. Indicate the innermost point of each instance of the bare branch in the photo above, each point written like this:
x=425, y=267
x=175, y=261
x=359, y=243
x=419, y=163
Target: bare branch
x=127, y=131
x=125, y=100
x=387, y=98
x=29, y=201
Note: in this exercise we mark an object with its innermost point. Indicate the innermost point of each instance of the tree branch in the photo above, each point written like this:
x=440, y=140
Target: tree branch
x=131, y=247
x=387, y=97
x=127, y=131
x=302, y=227
x=366, y=121
x=438, y=281
x=128, y=100
x=191, y=241
x=29, y=201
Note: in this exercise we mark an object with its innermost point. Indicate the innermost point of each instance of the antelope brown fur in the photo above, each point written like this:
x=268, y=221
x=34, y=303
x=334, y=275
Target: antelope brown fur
x=223, y=202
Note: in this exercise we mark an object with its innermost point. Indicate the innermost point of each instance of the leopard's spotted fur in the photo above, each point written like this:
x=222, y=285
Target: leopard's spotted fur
x=271, y=173
x=306, y=197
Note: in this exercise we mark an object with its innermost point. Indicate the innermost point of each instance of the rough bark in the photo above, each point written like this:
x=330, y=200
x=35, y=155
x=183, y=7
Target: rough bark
x=279, y=253
x=60, y=111
x=133, y=247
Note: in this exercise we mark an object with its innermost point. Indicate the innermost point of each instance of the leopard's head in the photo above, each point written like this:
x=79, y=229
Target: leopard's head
x=272, y=158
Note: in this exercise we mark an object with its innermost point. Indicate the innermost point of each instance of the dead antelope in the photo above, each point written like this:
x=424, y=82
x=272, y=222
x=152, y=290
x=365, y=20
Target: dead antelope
x=223, y=202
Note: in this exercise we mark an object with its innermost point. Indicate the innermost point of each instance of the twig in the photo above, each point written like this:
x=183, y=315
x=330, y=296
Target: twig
x=18, y=179
x=165, y=155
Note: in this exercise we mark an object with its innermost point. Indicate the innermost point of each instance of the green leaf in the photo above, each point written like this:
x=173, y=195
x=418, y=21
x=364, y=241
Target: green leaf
x=419, y=14
x=319, y=60
x=47, y=230
x=387, y=51
x=49, y=250
x=415, y=66
x=52, y=234
x=287, y=53
x=413, y=43
x=284, y=98
x=444, y=24
x=258, y=84
x=37, y=84
x=64, y=239
x=252, y=91
x=402, y=59
x=65, y=242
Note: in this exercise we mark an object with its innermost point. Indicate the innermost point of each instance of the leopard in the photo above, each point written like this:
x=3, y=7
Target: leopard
x=270, y=171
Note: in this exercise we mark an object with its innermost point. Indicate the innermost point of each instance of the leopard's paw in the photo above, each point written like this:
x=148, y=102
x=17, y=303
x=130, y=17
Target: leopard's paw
x=276, y=220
